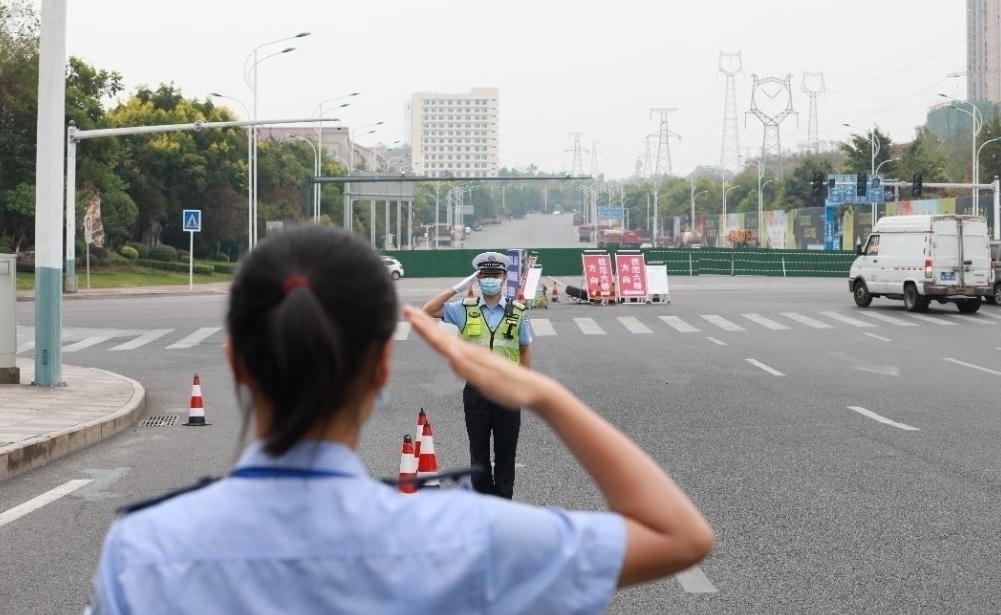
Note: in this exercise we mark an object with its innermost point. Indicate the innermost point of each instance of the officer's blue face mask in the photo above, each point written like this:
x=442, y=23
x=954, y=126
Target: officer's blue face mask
x=490, y=286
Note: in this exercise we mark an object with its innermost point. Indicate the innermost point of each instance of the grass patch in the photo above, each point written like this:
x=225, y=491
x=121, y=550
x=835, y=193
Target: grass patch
x=126, y=276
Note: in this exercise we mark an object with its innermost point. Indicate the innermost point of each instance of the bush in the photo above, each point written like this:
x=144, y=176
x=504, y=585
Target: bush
x=224, y=267
x=115, y=258
x=129, y=253
x=141, y=248
x=163, y=252
x=183, y=255
x=175, y=266
x=97, y=254
x=221, y=257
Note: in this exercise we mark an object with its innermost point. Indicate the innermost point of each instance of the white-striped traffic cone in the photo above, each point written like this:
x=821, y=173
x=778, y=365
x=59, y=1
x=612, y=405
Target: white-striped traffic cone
x=196, y=411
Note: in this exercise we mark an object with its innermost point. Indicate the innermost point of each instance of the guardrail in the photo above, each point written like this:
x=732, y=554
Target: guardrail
x=703, y=261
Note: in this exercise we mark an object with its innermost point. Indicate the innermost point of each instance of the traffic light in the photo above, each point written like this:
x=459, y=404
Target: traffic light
x=817, y=187
x=916, y=186
x=861, y=181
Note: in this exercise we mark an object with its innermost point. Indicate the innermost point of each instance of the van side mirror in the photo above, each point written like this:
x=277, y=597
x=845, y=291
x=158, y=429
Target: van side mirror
x=858, y=249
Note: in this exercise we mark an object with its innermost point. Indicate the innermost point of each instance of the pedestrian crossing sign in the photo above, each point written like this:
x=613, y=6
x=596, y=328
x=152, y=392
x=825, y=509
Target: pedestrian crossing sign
x=192, y=219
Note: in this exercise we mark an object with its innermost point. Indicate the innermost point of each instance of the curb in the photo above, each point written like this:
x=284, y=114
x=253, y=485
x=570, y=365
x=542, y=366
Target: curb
x=127, y=295
x=38, y=451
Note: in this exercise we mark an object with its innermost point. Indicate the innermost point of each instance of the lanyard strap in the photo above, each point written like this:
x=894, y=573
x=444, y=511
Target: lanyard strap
x=279, y=472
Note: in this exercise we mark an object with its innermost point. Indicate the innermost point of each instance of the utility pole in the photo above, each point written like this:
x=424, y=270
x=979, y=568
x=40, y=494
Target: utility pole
x=730, y=64
x=663, y=165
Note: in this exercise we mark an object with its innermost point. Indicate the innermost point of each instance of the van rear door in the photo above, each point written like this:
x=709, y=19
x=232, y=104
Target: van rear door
x=945, y=251
x=976, y=252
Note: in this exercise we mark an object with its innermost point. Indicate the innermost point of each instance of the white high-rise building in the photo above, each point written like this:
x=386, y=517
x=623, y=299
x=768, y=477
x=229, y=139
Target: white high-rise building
x=454, y=134
x=983, y=50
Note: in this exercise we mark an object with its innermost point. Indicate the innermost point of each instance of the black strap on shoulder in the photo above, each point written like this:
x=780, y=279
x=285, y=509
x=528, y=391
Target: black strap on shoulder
x=136, y=506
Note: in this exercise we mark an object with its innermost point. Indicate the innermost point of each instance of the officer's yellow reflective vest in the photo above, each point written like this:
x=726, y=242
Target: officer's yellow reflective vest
x=504, y=339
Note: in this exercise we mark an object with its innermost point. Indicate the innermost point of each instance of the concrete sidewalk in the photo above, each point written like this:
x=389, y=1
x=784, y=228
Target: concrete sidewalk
x=38, y=425
x=212, y=288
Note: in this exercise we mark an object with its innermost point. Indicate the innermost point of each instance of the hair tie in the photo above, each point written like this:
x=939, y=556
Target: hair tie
x=296, y=280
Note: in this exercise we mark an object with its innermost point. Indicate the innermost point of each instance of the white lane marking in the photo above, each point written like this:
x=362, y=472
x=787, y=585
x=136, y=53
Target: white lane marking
x=932, y=319
x=971, y=318
x=722, y=323
x=94, y=340
x=541, y=327
x=847, y=319
x=679, y=324
x=143, y=339
x=402, y=331
x=694, y=581
x=770, y=370
x=900, y=322
x=765, y=322
x=634, y=325
x=878, y=337
x=195, y=338
x=588, y=326
x=716, y=341
x=990, y=315
x=46, y=498
x=882, y=419
x=972, y=366
x=806, y=320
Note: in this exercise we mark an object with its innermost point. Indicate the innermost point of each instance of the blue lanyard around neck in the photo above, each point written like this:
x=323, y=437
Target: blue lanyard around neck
x=279, y=472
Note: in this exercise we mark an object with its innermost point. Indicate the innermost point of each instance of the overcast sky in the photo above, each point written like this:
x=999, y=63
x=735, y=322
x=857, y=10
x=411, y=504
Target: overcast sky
x=561, y=66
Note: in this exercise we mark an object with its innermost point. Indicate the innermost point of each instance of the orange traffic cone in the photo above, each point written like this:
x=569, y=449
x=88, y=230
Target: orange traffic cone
x=427, y=463
x=421, y=420
x=196, y=412
x=408, y=466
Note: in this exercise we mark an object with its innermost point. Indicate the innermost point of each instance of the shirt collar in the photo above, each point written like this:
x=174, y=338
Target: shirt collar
x=500, y=304
x=309, y=454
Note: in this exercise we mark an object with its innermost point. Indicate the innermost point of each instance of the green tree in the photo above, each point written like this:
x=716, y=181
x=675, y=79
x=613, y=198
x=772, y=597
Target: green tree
x=858, y=151
x=923, y=155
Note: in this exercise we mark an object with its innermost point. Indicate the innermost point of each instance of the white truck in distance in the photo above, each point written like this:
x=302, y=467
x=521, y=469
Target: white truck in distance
x=924, y=257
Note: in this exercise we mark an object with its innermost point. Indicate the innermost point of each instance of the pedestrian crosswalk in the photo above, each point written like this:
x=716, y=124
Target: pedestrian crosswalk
x=81, y=339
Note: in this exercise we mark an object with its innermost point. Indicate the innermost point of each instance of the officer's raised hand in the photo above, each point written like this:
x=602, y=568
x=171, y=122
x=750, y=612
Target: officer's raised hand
x=466, y=283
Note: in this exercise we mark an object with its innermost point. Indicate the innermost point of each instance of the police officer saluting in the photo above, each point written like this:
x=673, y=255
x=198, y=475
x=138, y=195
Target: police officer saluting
x=499, y=323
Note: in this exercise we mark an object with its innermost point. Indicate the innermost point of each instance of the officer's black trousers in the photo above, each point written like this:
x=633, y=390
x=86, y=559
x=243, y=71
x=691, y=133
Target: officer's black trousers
x=484, y=417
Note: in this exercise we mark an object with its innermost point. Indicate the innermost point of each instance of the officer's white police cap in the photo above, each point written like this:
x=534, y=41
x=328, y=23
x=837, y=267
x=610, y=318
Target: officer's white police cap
x=494, y=261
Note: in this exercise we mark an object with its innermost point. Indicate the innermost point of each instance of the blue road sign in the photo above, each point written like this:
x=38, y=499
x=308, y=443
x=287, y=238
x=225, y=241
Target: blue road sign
x=192, y=220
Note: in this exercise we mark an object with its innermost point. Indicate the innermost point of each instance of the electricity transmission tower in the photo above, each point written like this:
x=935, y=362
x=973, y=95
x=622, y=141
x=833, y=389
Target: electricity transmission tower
x=663, y=162
x=813, y=84
x=772, y=88
x=730, y=64
x=648, y=155
x=594, y=159
x=577, y=164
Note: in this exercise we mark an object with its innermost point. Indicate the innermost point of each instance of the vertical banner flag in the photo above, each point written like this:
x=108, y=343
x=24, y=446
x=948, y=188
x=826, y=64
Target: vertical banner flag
x=513, y=273
x=630, y=268
x=597, y=275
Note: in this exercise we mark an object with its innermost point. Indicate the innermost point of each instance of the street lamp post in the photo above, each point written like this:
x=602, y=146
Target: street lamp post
x=318, y=112
x=997, y=222
x=976, y=124
x=761, y=208
x=316, y=173
x=725, y=227
x=873, y=152
x=346, y=196
x=881, y=166
x=252, y=85
x=250, y=170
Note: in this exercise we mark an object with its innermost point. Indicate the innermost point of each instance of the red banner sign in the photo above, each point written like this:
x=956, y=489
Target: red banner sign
x=598, y=276
x=630, y=269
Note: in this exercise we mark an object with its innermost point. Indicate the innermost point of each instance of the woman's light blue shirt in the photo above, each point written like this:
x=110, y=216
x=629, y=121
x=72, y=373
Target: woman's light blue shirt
x=354, y=545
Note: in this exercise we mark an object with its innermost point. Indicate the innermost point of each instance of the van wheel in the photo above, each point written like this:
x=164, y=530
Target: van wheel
x=913, y=302
x=968, y=306
x=996, y=297
x=861, y=294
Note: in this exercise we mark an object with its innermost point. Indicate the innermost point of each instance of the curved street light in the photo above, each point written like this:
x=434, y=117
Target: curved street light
x=250, y=169
x=250, y=70
x=316, y=172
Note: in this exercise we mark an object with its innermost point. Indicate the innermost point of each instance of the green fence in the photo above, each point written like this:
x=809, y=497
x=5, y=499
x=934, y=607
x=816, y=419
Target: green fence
x=709, y=261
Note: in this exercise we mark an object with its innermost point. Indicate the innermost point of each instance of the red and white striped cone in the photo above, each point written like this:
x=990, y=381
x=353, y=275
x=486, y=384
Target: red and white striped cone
x=196, y=411
x=427, y=463
x=408, y=466
x=421, y=420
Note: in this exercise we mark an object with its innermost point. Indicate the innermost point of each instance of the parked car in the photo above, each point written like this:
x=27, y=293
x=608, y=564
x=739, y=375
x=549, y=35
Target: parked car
x=996, y=264
x=393, y=266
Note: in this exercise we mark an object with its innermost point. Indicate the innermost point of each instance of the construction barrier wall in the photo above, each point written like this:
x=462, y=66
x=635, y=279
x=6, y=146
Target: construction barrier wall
x=448, y=263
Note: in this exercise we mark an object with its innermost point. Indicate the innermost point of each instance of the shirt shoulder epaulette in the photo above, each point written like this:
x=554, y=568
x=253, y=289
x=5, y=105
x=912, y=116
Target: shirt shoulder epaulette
x=140, y=505
x=518, y=304
x=470, y=301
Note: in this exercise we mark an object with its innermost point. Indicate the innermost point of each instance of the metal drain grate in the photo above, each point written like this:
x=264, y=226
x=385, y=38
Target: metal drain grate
x=159, y=421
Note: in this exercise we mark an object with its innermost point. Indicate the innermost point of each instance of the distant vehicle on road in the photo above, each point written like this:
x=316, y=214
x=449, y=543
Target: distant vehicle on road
x=393, y=266
x=558, y=212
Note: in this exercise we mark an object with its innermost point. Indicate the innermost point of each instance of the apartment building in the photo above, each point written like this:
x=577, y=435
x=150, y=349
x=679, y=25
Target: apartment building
x=983, y=50
x=455, y=134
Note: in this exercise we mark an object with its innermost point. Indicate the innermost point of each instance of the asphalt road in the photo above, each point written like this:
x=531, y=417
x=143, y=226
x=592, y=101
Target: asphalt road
x=847, y=459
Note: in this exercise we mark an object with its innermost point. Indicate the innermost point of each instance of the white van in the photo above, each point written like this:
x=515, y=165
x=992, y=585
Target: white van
x=920, y=258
